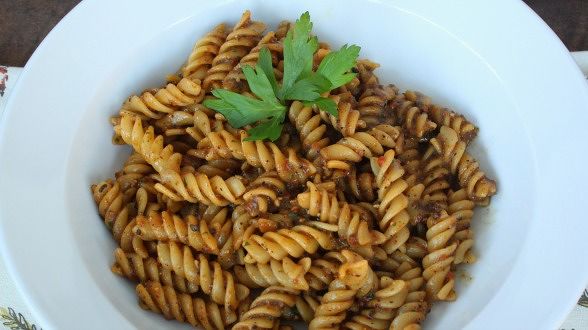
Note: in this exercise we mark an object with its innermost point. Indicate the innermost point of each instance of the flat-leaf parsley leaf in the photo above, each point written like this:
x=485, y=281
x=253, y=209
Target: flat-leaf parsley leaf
x=268, y=108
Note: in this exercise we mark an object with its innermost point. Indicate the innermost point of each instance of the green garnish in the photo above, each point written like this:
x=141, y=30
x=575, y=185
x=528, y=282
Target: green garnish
x=299, y=82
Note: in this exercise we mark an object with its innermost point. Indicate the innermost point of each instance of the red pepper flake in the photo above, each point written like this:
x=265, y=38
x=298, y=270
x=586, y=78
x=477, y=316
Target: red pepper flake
x=381, y=160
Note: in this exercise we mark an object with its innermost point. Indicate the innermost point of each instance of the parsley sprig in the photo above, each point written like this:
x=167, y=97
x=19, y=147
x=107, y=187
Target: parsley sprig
x=268, y=109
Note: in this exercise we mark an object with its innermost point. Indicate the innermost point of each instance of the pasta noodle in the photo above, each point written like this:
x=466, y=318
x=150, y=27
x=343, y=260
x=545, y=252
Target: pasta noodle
x=347, y=223
x=444, y=117
x=463, y=210
x=309, y=127
x=357, y=219
x=286, y=273
x=355, y=278
x=165, y=300
x=348, y=119
x=414, y=119
x=198, y=187
x=239, y=42
x=170, y=227
x=155, y=103
x=235, y=80
x=260, y=154
x=204, y=52
x=209, y=276
x=361, y=186
x=393, y=202
x=286, y=242
x=382, y=308
x=306, y=306
x=373, y=104
x=263, y=192
x=415, y=307
x=437, y=263
x=467, y=169
x=139, y=269
x=203, y=124
x=266, y=309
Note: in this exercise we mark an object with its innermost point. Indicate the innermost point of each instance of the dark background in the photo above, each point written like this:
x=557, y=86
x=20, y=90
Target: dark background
x=24, y=24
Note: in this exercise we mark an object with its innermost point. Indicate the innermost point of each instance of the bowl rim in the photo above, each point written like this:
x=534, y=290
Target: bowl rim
x=551, y=56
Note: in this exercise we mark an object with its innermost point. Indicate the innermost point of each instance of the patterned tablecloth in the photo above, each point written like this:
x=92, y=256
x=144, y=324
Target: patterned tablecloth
x=15, y=315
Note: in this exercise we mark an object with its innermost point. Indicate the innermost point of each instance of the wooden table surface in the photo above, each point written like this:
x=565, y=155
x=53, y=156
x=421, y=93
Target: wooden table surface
x=24, y=24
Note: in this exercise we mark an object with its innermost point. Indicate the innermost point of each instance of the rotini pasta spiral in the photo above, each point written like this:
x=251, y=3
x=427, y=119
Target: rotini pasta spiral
x=197, y=187
x=411, y=117
x=112, y=205
x=415, y=307
x=163, y=299
x=323, y=50
x=309, y=127
x=204, y=122
x=158, y=102
x=393, y=203
x=175, y=123
x=148, y=199
x=416, y=248
x=148, y=145
x=133, y=171
x=409, y=156
x=219, y=284
x=204, y=52
x=381, y=310
x=292, y=242
x=306, y=306
x=362, y=186
x=266, y=155
x=355, y=278
x=352, y=87
x=347, y=120
x=355, y=220
x=437, y=263
x=444, y=117
x=467, y=169
x=219, y=222
x=238, y=43
x=242, y=228
x=333, y=307
x=225, y=168
x=373, y=105
x=357, y=274
x=367, y=77
x=389, y=136
x=352, y=149
x=324, y=270
x=263, y=193
x=287, y=273
x=117, y=214
x=166, y=227
x=347, y=223
x=462, y=209
x=235, y=79
x=436, y=185
x=139, y=269
x=266, y=309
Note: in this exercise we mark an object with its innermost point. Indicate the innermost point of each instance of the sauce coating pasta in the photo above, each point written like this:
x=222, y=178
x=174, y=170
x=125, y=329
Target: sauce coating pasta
x=356, y=220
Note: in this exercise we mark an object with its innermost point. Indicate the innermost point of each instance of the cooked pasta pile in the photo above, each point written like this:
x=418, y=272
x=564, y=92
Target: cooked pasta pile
x=353, y=221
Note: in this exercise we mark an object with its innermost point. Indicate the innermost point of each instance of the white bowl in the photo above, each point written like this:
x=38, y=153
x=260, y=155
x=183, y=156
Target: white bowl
x=496, y=62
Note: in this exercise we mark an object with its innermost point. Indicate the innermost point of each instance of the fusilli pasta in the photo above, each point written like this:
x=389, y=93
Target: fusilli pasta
x=357, y=219
x=163, y=299
x=238, y=43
